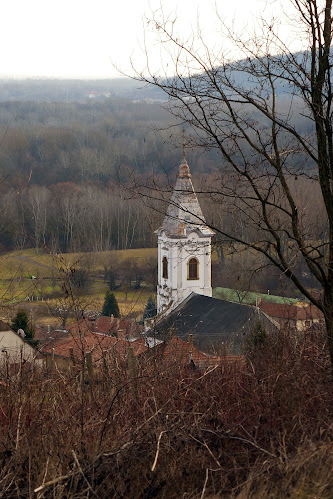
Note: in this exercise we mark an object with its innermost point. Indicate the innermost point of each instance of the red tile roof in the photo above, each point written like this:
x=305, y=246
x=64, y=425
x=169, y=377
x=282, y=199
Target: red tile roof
x=179, y=352
x=96, y=343
x=309, y=313
x=107, y=325
x=290, y=312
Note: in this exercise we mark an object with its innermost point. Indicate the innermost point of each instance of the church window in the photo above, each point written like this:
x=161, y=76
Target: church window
x=193, y=269
x=164, y=267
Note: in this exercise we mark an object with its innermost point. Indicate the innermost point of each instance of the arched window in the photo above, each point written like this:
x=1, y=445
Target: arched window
x=164, y=267
x=193, y=269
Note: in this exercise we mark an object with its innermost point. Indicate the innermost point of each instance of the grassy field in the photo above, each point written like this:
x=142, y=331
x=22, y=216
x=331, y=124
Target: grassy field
x=37, y=281
x=32, y=262
x=249, y=297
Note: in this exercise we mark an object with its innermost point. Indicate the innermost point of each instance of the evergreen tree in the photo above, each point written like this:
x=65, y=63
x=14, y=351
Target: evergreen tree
x=150, y=309
x=110, y=306
x=21, y=321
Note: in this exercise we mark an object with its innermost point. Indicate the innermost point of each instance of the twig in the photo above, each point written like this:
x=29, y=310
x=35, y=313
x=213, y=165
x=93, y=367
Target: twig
x=204, y=487
x=83, y=475
x=157, y=450
x=18, y=428
x=241, y=439
x=208, y=449
x=45, y=473
x=256, y=446
x=208, y=372
x=113, y=453
x=54, y=481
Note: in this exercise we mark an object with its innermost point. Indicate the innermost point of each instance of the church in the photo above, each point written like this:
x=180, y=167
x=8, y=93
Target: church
x=184, y=247
x=184, y=291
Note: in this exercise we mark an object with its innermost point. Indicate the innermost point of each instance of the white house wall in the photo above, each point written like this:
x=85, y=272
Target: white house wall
x=13, y=349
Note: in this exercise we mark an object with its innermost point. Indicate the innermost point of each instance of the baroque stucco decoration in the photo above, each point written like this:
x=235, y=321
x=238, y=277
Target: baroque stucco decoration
x=183, y=238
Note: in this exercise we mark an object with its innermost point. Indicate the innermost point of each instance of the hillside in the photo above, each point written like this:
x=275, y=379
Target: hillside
x=48, y=284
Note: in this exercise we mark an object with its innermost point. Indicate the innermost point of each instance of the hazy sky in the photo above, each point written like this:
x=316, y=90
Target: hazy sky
x=79, y=38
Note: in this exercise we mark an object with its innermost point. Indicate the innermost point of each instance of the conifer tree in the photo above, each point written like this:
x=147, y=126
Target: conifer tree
x=21, y=321
x=110, y=306
x=150, y=309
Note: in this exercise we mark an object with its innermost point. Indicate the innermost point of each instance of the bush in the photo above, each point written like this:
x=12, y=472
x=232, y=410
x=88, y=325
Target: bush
x=80, y=278
x=152, y=430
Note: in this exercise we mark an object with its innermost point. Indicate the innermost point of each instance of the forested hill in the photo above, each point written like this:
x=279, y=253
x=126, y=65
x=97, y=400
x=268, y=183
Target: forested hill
x=88, y=139
x=62, y=90
x=77, y=142
x=60, y=160
x=60, y=163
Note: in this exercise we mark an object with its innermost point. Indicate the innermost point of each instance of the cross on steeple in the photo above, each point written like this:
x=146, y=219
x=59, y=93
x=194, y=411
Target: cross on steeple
x=184, y=145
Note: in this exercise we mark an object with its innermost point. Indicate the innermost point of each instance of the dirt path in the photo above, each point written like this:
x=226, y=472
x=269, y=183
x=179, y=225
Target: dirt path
x=30, y=260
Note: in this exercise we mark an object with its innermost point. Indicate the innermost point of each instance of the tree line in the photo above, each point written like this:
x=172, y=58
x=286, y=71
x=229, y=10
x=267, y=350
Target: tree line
x=68, y=218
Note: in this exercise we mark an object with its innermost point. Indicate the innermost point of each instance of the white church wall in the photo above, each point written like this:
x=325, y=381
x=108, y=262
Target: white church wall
x=183, y=236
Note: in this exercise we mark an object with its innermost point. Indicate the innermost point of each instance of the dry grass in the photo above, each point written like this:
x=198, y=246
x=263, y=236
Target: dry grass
x=260, y=429
x=32, y=262
x=17, y=287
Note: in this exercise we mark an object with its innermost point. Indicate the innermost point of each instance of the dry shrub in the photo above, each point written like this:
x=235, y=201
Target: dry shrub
x=259, y=428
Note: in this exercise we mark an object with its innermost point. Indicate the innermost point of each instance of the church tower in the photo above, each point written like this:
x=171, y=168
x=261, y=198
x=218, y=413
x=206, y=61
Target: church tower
x=184, y=247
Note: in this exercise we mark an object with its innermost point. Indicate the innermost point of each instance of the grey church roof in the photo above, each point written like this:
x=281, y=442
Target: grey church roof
x=184, y=213
x=217, y=325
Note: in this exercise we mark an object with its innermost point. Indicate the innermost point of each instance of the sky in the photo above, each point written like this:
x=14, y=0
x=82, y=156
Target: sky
x=99, y=38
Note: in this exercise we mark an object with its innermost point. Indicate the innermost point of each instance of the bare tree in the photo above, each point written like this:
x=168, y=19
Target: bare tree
x=269, y=117
x=38, y=202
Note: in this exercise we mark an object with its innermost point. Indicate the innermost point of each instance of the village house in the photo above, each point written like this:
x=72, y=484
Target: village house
x=90, y=347
x=15, y=348
x=300, y=316
x=109, y=341
x=107, y=325
x=176, y=353
x=95, y=338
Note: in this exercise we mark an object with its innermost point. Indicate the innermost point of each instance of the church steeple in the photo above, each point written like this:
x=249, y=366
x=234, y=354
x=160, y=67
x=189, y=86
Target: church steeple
x=184, y=169
x=184, y=246
x=184, y=212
